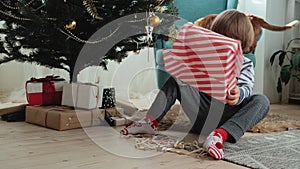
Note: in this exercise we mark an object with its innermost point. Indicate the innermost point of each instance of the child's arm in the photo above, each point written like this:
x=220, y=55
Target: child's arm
x=246, y=80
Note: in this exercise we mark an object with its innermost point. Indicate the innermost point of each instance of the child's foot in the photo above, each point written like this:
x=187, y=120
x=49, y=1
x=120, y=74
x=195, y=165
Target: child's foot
x=143, y=126
x=214, y=145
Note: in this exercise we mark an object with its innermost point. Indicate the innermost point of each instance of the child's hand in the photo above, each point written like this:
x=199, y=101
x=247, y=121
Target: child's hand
x=234, y=96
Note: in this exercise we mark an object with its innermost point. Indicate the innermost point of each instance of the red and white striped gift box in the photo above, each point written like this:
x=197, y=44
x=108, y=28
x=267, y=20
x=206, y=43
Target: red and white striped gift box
x=44, y=91
x=205, y=60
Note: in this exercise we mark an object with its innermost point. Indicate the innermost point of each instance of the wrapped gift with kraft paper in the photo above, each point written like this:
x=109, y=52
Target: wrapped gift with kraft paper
x=61, y=117
x=45, y=91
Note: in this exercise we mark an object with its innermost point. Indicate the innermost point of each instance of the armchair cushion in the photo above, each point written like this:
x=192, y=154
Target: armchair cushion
x=191, y=10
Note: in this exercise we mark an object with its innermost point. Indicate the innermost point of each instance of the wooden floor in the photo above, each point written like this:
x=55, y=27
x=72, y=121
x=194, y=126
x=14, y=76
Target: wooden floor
x=23, y=145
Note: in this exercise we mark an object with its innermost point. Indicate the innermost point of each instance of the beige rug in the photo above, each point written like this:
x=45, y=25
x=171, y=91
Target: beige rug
x=273, y=122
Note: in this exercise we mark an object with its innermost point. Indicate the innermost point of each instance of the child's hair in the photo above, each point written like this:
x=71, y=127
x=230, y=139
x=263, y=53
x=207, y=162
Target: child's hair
x=236, y=25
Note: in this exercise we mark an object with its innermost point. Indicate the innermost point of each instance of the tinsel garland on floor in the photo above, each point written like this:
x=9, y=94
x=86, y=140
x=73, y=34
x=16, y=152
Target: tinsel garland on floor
x=164, y=143
x=273, y=122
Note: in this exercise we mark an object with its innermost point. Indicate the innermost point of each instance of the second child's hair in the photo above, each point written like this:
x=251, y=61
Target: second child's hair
x=236, y=25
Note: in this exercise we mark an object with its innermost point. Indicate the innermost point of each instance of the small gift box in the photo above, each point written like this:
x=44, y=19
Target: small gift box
x=45, y=91
x=80, y=95
x=88, y=96
x=108, y=98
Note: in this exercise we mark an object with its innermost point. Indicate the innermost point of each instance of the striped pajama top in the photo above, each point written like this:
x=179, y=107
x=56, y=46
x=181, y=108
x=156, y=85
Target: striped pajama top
x=246, y=80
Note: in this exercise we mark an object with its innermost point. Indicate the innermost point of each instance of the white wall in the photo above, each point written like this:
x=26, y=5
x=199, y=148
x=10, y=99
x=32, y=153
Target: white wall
x=134, y=77
x=13, y=76
x=257, y=7
x=274, y=41
x=273, y=11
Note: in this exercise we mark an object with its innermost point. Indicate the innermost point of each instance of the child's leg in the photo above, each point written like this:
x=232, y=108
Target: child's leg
x=253, y=110
x=160, y=106
x=165, y=99
x=195, y=104
x=245, y=116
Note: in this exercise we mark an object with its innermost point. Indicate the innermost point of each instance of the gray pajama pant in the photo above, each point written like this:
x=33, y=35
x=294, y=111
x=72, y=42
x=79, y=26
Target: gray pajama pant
x=207, y=113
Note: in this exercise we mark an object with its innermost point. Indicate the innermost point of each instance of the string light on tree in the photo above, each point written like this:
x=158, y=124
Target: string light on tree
x=136, y=52
x=71, y=25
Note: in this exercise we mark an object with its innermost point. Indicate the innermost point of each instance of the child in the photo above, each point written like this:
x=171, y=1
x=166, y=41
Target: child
x=241, y=111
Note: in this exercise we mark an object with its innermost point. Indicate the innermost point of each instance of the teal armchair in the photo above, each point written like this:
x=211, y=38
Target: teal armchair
x=190, y=11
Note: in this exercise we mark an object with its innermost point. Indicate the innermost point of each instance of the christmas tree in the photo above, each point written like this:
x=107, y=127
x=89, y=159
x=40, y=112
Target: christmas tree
x=53, y=33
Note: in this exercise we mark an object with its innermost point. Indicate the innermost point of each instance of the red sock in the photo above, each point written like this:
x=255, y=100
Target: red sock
x=223, y=133
x=153, y=120
x=148, y=125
